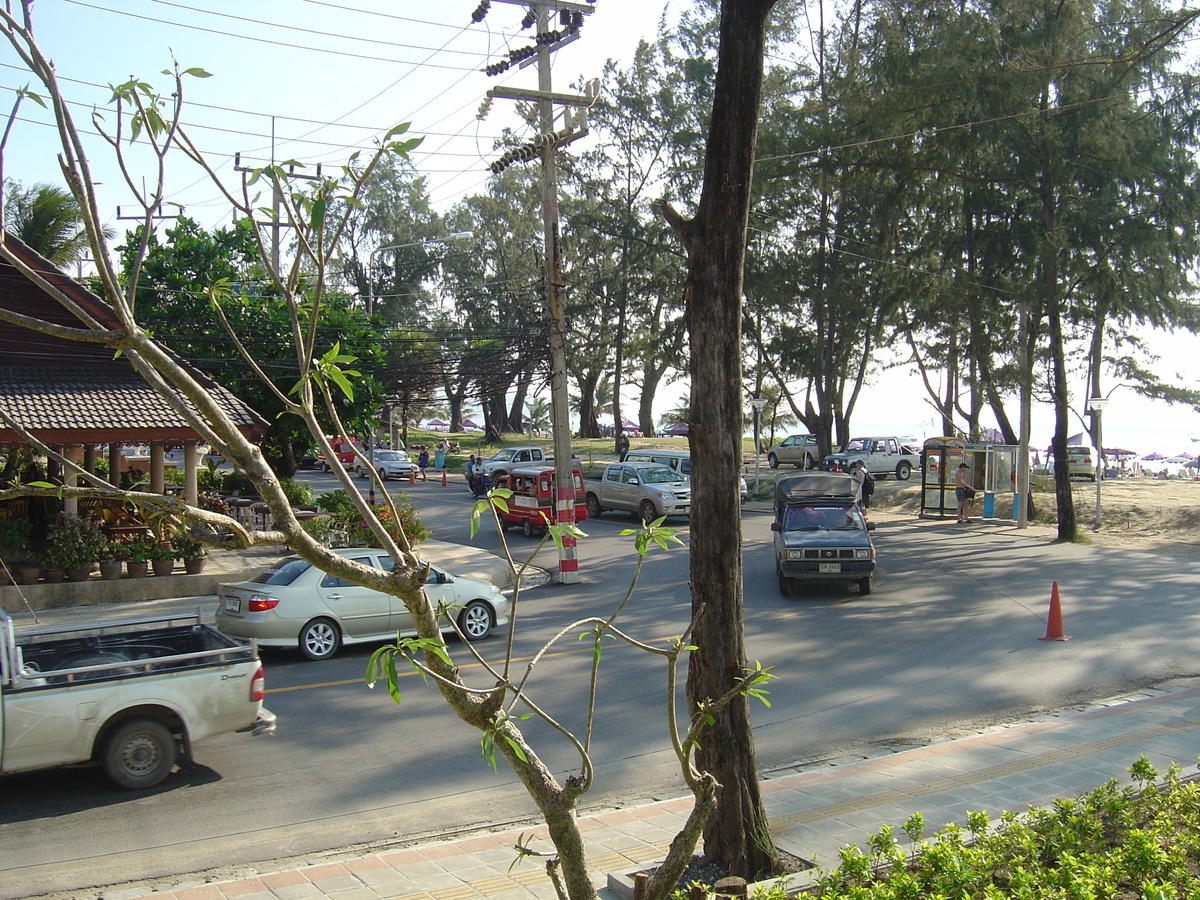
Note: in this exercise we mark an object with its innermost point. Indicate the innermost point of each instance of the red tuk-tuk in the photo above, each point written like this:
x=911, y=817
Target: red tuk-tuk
x=531, y=505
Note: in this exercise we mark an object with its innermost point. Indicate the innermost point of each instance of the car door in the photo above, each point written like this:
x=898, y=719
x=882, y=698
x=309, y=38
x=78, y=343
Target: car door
x=401, y=619
x=616, y=492
x=361, y=611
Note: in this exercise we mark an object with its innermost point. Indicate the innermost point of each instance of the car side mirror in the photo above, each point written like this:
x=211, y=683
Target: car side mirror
x=870, y=526
x=775, y=526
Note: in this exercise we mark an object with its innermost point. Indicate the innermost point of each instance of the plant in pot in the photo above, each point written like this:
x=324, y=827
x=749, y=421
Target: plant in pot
x=137, y=556
x=75, y=544
x=162, y=558
x=191, y=551
x=14, y=549
x=111, y=560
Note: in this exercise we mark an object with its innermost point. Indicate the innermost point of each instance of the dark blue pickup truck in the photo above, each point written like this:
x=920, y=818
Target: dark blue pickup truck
x=820, y=533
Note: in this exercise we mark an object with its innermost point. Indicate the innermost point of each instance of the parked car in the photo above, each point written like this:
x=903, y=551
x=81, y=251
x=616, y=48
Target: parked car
x=679, y=460
x=797, y=449
x=1081, y=463
x=389, y=463
x=294, y=604
x=646, y=489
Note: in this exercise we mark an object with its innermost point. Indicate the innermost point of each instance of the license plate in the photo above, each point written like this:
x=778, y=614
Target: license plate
x=829, y=568
x=233, y=604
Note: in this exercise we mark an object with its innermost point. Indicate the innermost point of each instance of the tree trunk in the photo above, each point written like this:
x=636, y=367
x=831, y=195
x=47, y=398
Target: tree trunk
x=715, y=240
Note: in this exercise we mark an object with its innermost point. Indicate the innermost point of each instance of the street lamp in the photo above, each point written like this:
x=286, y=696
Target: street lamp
x=1095, y=406
x=758, y=403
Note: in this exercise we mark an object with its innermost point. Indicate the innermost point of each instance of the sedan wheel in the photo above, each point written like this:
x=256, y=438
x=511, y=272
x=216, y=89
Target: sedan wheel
x=772, y=460
x=320, y=639
x=475, y=621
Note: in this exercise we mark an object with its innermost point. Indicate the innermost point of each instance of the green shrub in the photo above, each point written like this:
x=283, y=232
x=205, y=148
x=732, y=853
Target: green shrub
x=239, y=483
x=335, y=501
x=298, y=493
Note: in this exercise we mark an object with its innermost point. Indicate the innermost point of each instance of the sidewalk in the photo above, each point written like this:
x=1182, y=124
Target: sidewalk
x=813, y=812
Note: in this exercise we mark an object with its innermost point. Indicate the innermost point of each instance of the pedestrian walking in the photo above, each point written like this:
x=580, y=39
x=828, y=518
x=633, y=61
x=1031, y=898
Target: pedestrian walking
x=423, y=463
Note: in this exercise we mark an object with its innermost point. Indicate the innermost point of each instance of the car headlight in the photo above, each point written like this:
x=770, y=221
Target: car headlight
x=664, y=495
x=795, y=554
x=864, y=554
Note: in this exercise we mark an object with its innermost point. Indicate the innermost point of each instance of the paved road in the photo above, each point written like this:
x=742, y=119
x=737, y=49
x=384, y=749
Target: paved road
x=948, y=640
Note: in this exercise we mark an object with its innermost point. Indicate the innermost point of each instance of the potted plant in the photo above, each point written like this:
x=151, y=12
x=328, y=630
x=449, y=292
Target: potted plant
x=75, y=543
x=111, y=560
x=14, y=547
x=137, y=556
x=162, y=558
x=191, y=551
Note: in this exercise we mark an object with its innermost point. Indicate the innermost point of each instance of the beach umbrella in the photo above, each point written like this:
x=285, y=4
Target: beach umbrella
x=1118, y=453
x=1175, y=460
x=1153, y=456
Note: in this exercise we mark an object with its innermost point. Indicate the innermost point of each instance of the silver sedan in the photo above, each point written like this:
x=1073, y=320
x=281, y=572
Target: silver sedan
x=293, y=604
x=389, y=463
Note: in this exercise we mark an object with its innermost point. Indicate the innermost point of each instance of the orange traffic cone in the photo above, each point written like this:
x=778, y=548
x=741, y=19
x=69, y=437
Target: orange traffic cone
x=1054, y=623
x=412, y=476
x=445, y=482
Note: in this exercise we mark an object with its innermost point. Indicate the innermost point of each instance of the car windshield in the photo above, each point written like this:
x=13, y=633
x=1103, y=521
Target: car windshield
x=658, y=475
x=285, y=571
x=503, y=456
x=391, y=456
x=819, y=518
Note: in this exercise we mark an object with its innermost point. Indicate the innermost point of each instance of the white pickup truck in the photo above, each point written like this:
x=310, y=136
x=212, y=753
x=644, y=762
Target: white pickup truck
x=131, y=697
x=883, y=456
x=508, y=458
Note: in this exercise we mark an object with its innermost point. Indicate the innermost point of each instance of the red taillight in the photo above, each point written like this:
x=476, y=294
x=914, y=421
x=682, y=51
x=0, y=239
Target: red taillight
x=256, y=685
x=259, y=604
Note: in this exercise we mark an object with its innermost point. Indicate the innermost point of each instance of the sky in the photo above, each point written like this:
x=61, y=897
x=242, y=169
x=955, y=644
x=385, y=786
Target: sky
x=310, y=80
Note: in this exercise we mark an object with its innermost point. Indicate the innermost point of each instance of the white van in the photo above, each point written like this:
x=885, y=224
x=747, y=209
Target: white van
x=679, y=460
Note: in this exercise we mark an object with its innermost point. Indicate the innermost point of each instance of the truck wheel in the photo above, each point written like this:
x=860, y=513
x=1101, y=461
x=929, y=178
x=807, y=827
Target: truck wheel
x=320, y=639
x=785, y=584
x=139, y=754
x=475, y=620
x=864, y=586
x=593, y=506
x=526, y=528
x=647, y=512
x=903, y=470
x=772, y=460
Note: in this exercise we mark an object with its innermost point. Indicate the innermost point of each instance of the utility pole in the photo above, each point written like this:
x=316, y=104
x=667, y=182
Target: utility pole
x=276, y=199
x=546, y=145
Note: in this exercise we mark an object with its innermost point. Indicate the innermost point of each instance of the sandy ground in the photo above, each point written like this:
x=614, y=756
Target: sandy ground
x=1137, y=513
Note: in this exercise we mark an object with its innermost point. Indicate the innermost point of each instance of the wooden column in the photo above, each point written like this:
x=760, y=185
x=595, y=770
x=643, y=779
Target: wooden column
x=191, y=456
x=157, y=482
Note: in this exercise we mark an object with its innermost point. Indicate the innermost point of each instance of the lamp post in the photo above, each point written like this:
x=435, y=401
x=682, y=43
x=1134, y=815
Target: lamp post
x=1095, y=406
x=758, y=403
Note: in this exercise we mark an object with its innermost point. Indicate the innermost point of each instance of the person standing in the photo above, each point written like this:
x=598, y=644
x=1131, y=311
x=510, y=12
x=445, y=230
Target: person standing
x=963, y=493
x=864, y=484
x=423, y=463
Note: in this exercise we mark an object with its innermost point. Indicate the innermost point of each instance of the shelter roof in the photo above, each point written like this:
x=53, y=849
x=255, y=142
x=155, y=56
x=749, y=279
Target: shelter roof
x=72, y=392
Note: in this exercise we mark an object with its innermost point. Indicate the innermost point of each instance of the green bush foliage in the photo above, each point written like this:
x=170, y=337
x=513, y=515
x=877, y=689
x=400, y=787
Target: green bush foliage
x=343, y=519
x=1137, y=841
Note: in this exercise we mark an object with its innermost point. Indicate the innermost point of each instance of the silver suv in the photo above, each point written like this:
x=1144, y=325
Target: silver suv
x=798, y=449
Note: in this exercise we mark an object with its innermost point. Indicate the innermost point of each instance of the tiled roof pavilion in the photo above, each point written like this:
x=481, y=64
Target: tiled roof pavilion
x=73, y=394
